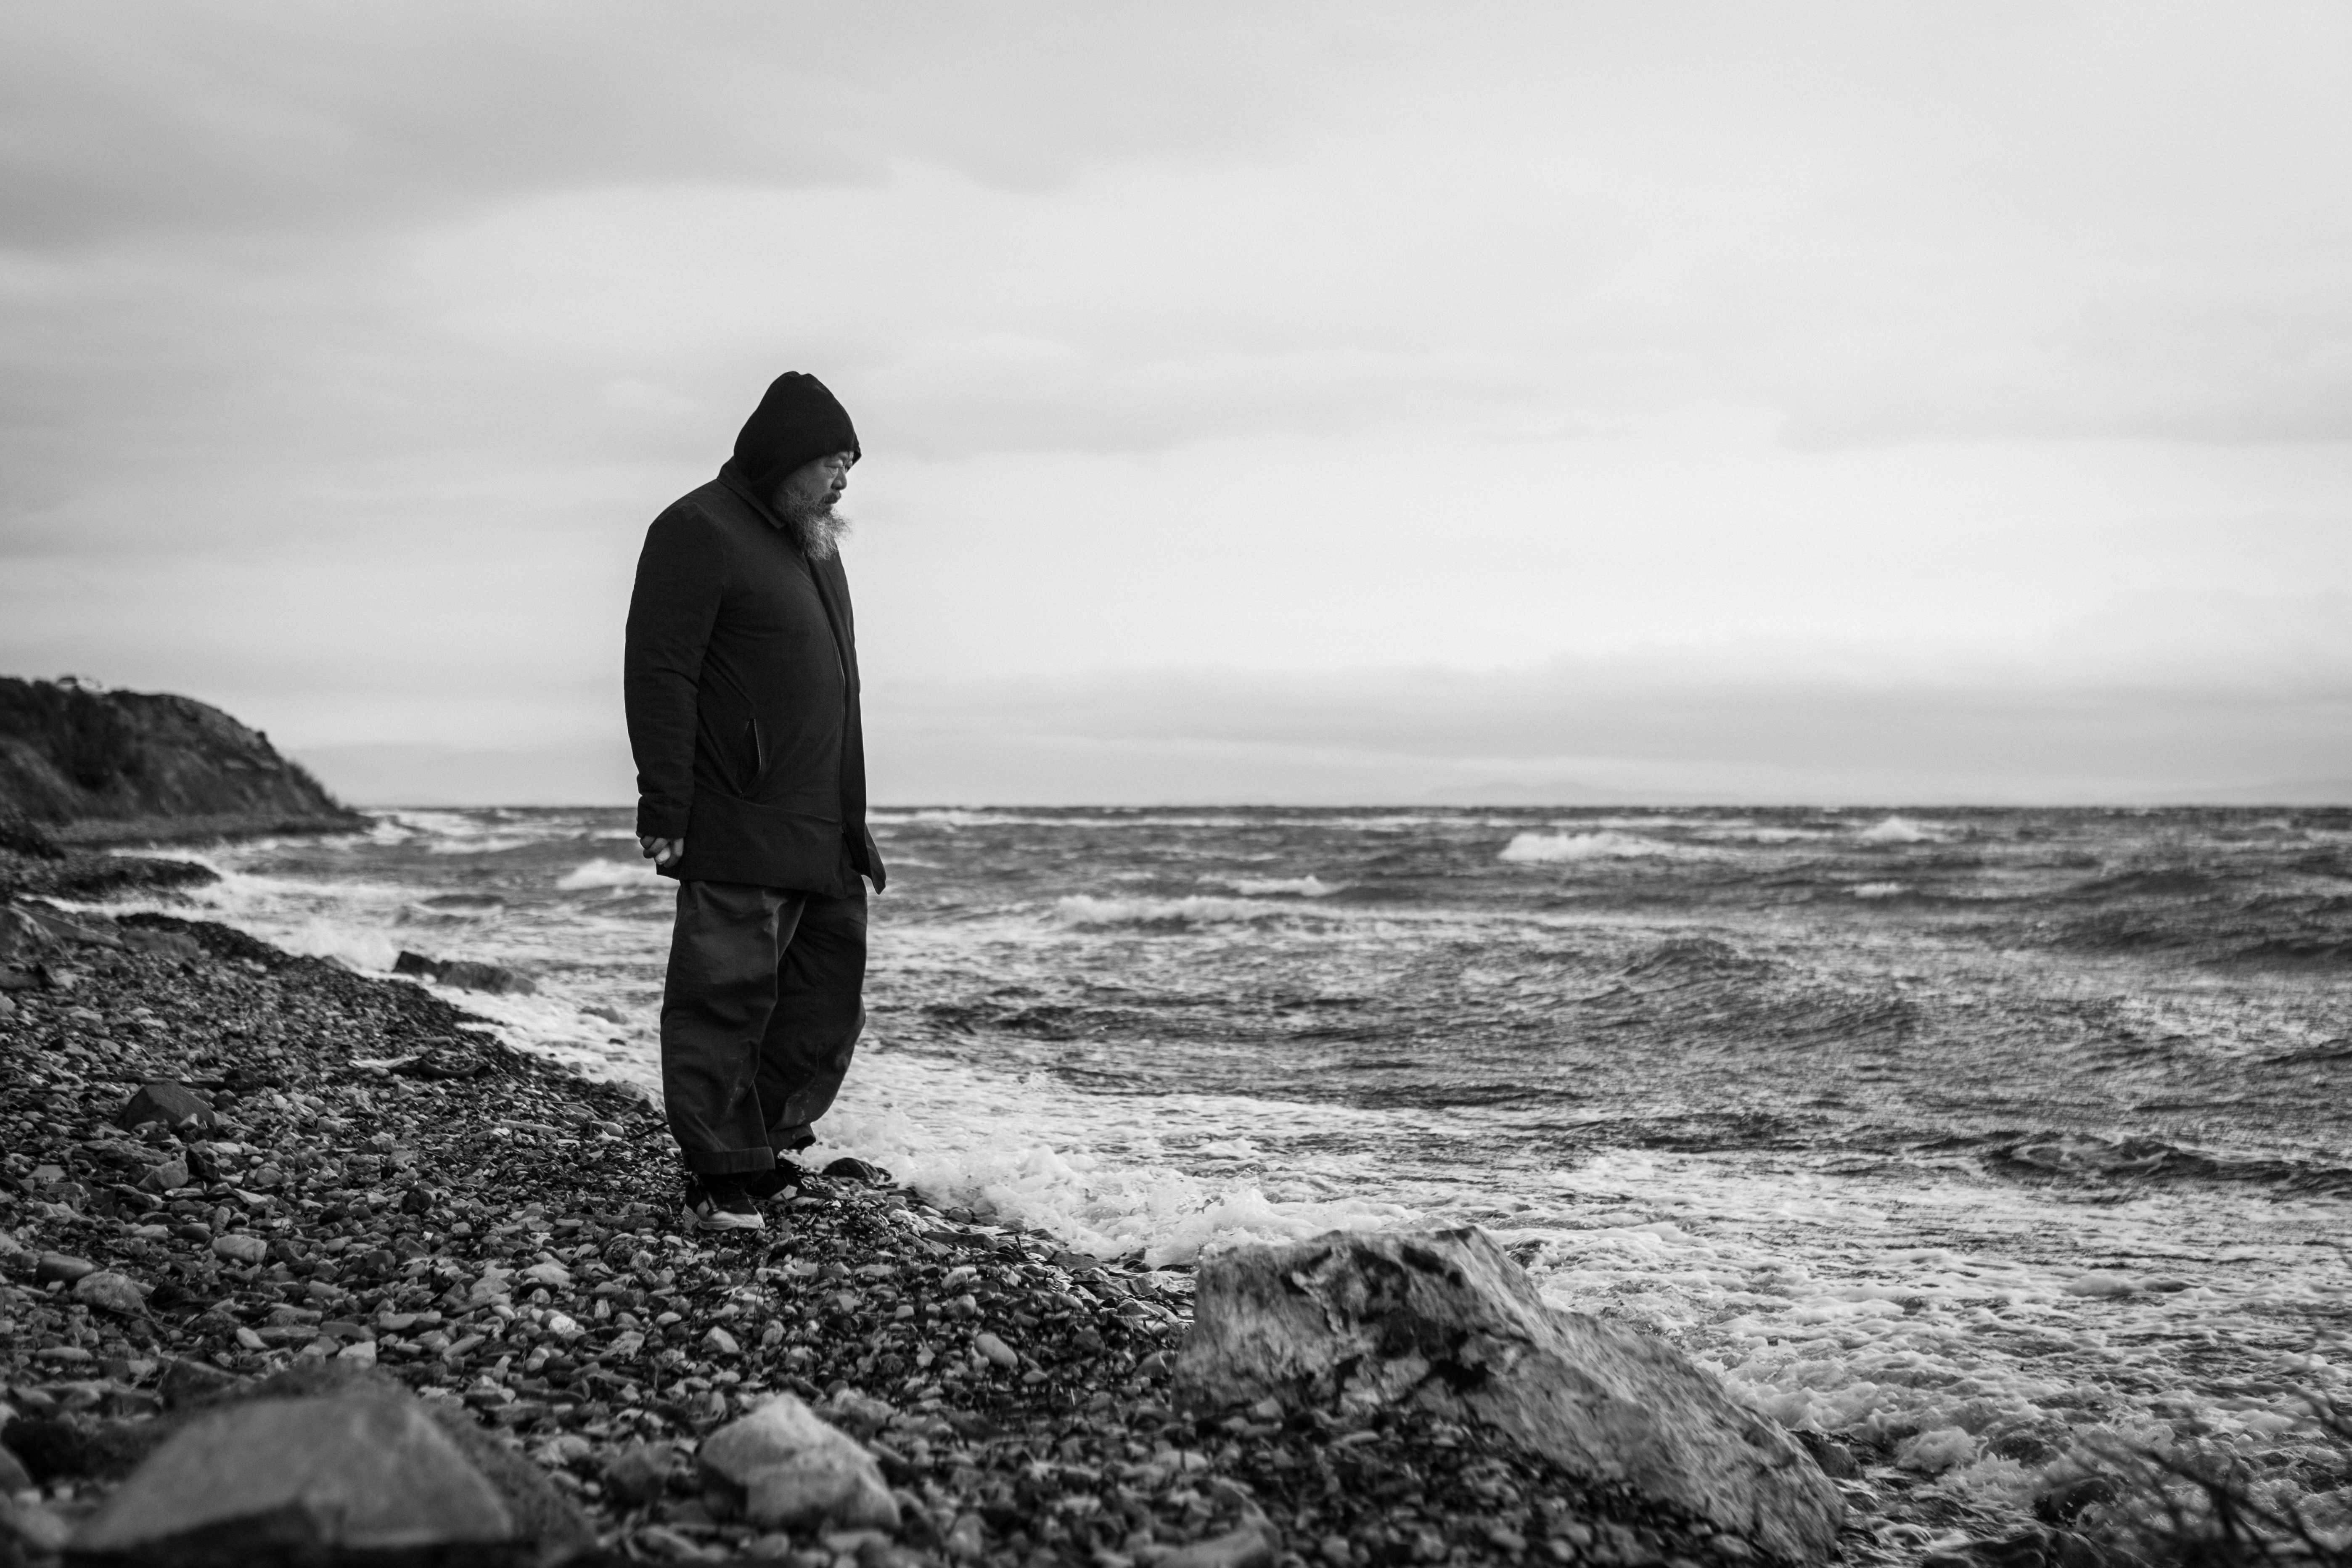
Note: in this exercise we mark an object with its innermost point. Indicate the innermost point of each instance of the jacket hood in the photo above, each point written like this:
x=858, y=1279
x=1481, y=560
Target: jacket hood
x=798, y=421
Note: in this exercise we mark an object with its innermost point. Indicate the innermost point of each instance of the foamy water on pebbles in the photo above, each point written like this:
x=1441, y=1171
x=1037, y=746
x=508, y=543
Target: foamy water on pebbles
x=1803, y=1153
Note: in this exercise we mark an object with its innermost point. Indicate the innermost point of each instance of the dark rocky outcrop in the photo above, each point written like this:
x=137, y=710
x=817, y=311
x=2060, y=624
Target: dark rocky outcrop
x=464, y=975
x=112, y=766
x=1444, y=1321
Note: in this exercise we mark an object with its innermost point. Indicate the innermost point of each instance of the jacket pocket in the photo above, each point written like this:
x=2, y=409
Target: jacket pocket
x=751, y=758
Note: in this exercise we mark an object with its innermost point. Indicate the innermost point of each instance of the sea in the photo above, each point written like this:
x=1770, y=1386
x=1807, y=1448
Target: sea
x=1981, y=1139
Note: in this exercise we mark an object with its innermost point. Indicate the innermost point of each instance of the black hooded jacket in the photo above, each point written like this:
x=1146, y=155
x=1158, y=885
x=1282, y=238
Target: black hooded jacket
x=740, y=680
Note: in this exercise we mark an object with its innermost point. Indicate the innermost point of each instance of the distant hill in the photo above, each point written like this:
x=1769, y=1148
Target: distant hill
x=100, y=766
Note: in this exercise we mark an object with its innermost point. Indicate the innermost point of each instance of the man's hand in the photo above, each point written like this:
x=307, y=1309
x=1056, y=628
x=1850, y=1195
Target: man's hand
x=662, y=851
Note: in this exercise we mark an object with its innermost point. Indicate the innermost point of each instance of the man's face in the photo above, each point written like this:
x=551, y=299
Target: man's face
x=811, y=489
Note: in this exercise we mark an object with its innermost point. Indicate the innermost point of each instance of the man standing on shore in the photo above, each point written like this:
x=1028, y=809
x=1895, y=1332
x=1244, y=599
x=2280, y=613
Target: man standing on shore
x=741, y=682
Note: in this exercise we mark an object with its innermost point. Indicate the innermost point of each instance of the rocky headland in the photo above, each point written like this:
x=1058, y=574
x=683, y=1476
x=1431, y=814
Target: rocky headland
x=99, y=766
x=84, y=769
x=304, y=1265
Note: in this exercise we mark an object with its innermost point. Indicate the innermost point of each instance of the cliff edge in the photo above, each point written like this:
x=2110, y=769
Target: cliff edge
x=97, y=767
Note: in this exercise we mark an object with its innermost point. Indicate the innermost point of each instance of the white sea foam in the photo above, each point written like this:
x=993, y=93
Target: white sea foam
x=1902, y=830
x=1972, y=1311
x=1544, y=848
x=1030, y=1152
x=603, y=873
x=1747, y=834
x=1878, y=890
x=1273, y=887
x=1084, y=910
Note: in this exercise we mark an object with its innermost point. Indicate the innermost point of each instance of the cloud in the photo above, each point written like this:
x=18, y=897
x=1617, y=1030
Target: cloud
x=122, y=118
x=1617, y=732
x=344, y=353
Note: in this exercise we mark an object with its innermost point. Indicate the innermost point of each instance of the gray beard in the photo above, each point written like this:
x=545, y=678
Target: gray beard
x=816, y=531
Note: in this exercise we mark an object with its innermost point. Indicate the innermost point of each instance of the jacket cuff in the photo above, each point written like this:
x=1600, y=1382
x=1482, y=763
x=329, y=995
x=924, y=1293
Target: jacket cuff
x=659, y=818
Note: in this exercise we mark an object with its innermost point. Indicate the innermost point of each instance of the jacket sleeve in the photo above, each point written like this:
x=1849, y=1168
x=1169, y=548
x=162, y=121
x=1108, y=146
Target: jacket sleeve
x=680, y=575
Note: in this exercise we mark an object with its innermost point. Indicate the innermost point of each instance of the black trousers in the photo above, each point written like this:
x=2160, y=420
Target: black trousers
x=761, y=1011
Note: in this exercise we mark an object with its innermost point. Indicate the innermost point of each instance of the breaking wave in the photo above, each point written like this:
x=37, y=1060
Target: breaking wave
x=602, y=873
x=1273, y=887
x=1902, y=830
x=1544, y=848
x=1083, y=909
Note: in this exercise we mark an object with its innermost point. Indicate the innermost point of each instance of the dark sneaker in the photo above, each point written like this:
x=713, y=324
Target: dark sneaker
x=721, y=1205
x=788, y=1174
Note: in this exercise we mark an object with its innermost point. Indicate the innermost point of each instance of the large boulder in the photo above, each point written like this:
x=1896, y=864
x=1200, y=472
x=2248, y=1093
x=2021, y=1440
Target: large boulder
x=308, y=1479
x=792, y=1467
x=1444, y=1321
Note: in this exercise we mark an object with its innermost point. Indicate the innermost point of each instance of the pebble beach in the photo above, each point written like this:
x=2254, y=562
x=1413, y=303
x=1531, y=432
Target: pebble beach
x=229, y=1168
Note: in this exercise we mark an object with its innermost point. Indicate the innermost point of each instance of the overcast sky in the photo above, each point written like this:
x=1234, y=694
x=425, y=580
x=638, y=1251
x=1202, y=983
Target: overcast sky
x=1346, y=402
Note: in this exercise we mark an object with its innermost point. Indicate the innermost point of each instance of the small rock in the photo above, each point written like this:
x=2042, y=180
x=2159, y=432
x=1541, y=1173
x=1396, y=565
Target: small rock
x=494, y=978
x=33, y=1525
x=14, y=1477
x=240, y=1248
x=61, y=1266
x=176, y=1105
x=861, y=1415
x=564, y=1449
x=672, y=1546
x=20, y=937
x=639, y=1473
x=995, y=1349
x=170, y=1174
x=317, y=1477
x=171, y=943
x=969, y=1538
x=186, y=1382
x=1251, y=1546
x=110, y=1293
x=793, y=1468
x=719, y=1340
x=94, y=930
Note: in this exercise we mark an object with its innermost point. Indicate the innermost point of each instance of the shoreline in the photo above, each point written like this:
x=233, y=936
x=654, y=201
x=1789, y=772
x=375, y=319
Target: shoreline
x=80, y=860
x=117, y=833
x=391, y=1187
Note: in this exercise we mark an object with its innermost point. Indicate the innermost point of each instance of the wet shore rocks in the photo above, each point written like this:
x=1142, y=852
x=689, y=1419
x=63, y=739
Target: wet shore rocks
x=1440, y=1321
x=300, y=1265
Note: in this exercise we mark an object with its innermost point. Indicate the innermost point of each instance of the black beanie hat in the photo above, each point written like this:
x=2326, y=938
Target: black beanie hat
x=797, y=422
